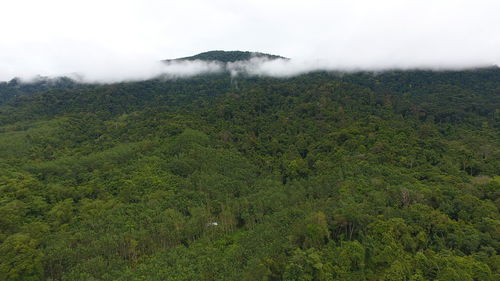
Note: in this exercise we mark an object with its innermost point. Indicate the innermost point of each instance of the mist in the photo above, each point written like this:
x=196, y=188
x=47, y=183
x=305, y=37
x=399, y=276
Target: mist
x=113, y=41
x=279, y=68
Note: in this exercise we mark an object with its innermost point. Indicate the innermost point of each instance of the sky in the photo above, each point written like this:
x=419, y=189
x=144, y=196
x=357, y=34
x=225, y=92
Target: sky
x=117, y=40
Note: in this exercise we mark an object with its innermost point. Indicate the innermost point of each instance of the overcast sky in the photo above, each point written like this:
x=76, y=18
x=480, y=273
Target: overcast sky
x=112, y=40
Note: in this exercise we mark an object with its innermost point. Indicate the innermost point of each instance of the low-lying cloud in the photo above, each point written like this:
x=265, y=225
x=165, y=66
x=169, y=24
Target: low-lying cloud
x=123, y=40
x=148, y=70
x=257, y=66
x=120, y=72
x=288, y=68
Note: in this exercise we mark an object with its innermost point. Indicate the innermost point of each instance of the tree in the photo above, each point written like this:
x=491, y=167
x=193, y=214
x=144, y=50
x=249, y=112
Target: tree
x=20, y=259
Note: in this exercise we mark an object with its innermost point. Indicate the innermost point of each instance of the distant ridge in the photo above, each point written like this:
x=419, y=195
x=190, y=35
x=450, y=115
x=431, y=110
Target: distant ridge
x=226, y=56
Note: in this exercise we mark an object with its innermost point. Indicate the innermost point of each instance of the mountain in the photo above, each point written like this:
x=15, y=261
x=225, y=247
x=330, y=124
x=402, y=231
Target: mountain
x=322, y=176
x=227, y=56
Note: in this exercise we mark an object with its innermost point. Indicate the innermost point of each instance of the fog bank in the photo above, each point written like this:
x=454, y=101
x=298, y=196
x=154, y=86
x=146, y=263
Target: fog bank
x=123, y=40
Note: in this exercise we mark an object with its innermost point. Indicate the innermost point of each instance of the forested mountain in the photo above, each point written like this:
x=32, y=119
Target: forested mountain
x=322, y=176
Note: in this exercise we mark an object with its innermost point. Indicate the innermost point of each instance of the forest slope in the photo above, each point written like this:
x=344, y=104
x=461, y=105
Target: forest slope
x=323, y=176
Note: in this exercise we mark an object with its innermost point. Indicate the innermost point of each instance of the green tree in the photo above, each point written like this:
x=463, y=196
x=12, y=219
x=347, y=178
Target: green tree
x=21, y=259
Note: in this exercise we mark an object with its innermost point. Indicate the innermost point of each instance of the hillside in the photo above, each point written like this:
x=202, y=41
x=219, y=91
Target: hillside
x=323, y=176
x=16, y=88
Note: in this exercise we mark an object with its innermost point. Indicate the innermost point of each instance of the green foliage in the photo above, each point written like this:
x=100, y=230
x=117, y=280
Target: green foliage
x=322, y=176
x=21, y=260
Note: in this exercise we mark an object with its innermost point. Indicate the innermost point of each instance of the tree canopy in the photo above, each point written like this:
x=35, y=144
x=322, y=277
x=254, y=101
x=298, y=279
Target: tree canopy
x=323, y=176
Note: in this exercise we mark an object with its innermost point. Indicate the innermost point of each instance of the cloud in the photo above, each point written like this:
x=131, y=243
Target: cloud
x=148, y=70
x=120, y=40
x=288, y=68
x=257, y=66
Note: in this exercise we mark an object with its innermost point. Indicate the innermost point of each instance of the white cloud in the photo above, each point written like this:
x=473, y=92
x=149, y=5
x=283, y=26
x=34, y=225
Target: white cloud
x=118, y=40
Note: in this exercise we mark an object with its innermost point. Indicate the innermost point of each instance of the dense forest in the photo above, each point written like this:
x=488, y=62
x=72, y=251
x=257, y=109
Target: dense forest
x=323, y=176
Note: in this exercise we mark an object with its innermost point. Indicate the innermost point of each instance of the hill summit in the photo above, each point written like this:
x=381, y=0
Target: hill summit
x=226, y=56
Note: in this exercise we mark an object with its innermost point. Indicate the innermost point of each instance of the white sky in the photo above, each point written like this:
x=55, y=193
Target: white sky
x=112, y=40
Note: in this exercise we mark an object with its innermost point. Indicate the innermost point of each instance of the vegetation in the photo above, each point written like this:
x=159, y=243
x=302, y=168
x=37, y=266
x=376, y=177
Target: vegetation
x=16, y=88
x=324, y=176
